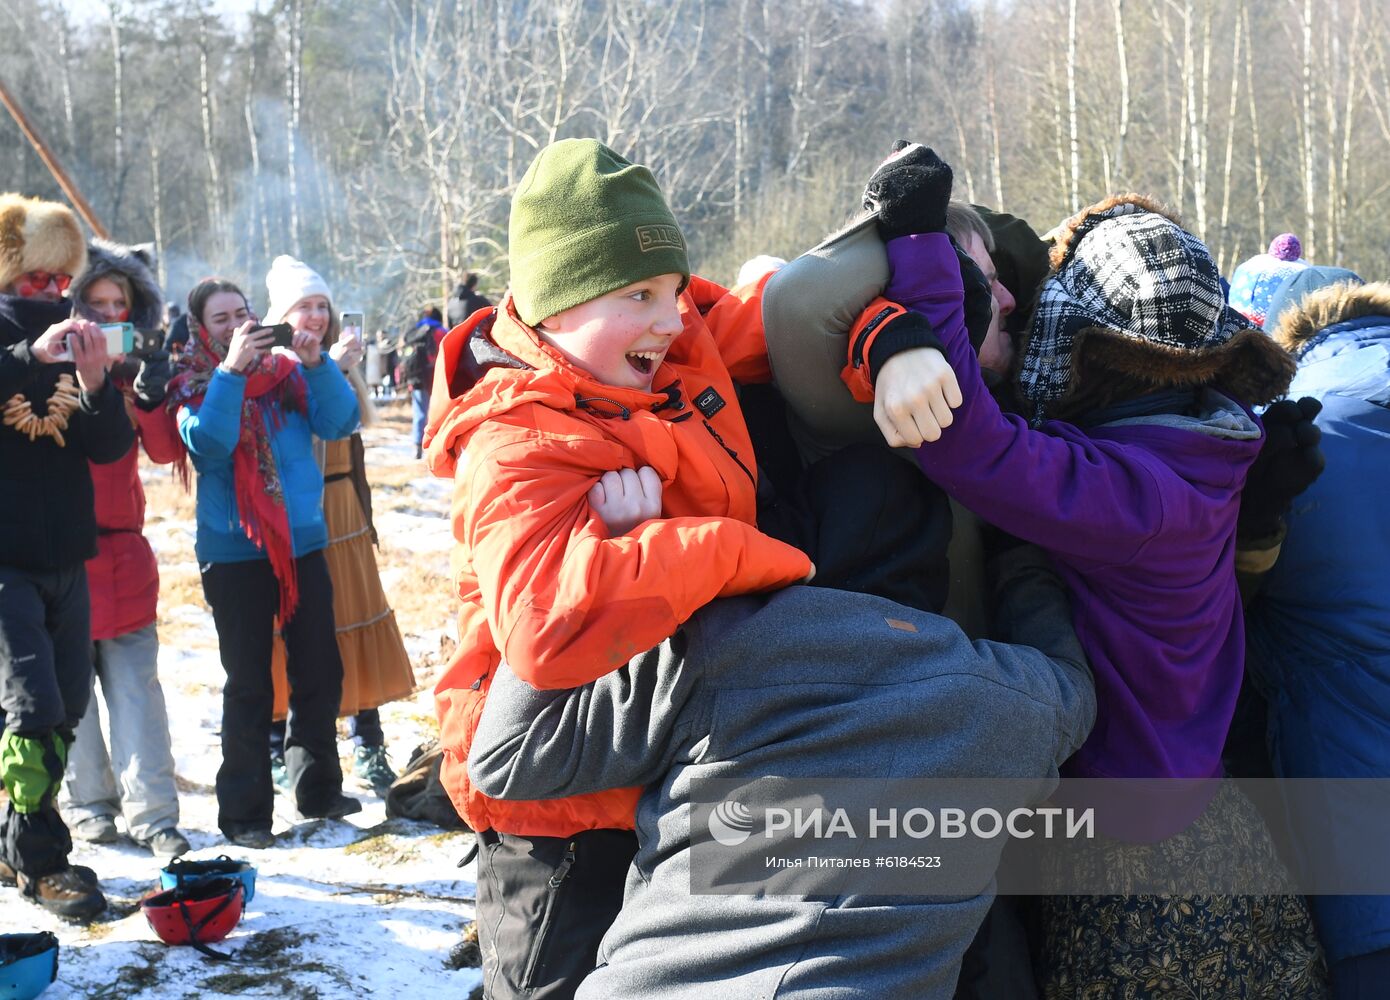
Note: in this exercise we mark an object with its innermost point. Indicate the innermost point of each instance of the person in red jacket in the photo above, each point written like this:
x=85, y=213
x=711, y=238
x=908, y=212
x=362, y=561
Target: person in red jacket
x=136, y=780
x=605, y=489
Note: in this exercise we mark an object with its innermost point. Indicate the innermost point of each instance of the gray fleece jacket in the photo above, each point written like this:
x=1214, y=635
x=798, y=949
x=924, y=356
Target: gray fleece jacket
x=804, y=683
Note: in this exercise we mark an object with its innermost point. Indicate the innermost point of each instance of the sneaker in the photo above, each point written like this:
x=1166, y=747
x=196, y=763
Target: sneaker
x=343, y=805
x=255, y=839
x=372, y=766
x=96, y=829
x=166, y=843
x=278, y=772
x=65, y=893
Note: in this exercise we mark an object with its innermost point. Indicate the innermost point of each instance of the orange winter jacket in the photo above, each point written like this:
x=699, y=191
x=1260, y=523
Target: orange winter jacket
x=540, y=580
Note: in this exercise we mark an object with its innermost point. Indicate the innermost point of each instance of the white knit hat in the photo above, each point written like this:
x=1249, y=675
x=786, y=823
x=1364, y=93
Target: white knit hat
x=288, y=282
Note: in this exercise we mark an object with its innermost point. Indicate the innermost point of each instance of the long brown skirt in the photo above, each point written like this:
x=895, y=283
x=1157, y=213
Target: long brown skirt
x=376, y=669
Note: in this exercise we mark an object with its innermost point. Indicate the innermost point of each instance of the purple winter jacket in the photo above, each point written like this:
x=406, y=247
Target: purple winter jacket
x=1139, y=516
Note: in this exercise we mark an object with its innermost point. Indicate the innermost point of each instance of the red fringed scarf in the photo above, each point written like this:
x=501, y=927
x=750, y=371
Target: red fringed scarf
x=274, y=388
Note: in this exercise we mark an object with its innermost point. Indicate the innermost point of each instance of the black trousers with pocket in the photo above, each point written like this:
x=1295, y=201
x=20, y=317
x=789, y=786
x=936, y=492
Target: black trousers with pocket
x=544, y=904
x=244, y=597
x=45, y=681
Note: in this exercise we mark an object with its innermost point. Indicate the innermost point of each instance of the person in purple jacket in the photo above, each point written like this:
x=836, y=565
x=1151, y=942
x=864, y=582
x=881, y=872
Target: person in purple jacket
x=1128, y=473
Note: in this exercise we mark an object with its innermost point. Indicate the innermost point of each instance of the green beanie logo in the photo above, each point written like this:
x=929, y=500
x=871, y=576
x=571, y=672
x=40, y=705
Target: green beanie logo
x=651, y=238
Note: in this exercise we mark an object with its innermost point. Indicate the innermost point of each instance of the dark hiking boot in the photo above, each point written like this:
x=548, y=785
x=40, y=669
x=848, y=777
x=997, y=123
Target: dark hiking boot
x=372, y=766
x=333, y=808
x=66, y=894
x=255, y=838
x=8, y=877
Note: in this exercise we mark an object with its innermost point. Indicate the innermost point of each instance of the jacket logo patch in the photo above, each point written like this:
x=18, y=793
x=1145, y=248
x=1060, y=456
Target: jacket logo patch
x=900, y=625
x=709, y=402
x=651, y=238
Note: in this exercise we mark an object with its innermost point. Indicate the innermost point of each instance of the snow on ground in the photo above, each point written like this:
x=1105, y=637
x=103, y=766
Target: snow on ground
x=362, y=907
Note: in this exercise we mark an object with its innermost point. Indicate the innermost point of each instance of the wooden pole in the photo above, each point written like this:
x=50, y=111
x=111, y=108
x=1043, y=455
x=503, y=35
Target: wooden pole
x=50, y=161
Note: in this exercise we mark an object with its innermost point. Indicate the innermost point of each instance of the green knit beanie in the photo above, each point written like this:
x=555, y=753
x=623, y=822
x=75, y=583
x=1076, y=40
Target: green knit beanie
x=584, y=222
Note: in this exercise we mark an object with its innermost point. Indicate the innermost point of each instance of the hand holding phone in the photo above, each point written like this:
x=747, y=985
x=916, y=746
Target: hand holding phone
x=246, y=346
x=352, y=324
x=281, y=334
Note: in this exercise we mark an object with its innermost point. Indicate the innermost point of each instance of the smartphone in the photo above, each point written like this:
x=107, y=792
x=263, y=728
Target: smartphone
x=352, y=323
x=147, y=341
x=120, y=337
x=281, y=334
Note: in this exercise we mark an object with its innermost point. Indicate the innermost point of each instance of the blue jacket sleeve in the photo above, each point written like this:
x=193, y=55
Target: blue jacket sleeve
x=213, y=428
x=333, y=411
x=1071, y=494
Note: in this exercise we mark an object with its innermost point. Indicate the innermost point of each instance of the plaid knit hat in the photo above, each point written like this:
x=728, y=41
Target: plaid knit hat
x=586, y=221
x=1255, y=281
x=1133, y=293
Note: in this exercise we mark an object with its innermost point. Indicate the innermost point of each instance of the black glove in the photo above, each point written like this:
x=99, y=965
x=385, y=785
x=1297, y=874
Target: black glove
x=1290, y=461
x=909, y=191
x=979, y=298
x=152, y=380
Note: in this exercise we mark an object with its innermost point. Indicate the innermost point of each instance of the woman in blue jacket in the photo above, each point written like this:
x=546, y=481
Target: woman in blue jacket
x=247, y=416
x=1319, y=632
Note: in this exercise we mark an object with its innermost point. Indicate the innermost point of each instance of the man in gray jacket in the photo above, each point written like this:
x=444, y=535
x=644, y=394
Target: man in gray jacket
x=806, y=683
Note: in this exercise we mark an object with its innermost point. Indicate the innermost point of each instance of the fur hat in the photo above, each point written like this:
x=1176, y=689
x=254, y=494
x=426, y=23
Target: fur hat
x=288, y=281
x=38, y=236
x=1133, y=294
x=1255, y=281
x=133, y=263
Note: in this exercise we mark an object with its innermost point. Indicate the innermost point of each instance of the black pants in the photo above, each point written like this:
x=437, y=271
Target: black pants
x=544, y=904
x=244, y=597
x=45, y=681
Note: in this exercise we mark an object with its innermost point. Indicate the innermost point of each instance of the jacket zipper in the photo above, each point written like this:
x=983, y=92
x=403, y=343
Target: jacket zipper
x=857, y=355
x=732, y=454
x=556, y=880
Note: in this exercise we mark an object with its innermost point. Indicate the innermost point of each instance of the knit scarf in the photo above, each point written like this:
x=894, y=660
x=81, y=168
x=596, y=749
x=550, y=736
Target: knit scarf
x=274, y=387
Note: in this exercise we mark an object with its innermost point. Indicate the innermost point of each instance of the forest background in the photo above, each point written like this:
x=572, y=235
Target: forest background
x=381, y=140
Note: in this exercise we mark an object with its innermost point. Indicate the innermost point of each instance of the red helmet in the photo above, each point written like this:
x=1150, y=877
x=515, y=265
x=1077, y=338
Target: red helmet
x=195, y=913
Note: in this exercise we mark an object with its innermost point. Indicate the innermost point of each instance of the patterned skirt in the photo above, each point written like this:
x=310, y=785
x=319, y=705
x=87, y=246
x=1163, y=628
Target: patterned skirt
x=1198, y=947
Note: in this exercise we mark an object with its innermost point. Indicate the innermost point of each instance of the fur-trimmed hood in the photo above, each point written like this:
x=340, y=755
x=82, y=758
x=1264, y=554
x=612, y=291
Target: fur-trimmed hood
x=134, y=263
x=1135, y=299
x=38, y=235
x=1300, y=323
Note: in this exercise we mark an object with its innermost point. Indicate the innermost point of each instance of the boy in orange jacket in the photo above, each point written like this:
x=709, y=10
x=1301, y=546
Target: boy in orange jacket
x=605, y=489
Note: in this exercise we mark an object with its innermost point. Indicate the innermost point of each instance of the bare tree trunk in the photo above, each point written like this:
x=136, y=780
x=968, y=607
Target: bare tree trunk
x=294, y=64
x=259, y=231
x=1118, y=166
x=1072, y=126
x=65, y=66
x=1199, y=116
x=1254, y=128
x=1058, y=131
x=1349, y=117
x=1236, y=31
x=1306, y=127
x=214, y=186
x=997, y=160
x=118, y=121
x=157, y=198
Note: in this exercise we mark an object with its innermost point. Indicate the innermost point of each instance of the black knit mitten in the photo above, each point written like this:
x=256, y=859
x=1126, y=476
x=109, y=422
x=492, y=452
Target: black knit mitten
x=909, y=191
x=1290, y=461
